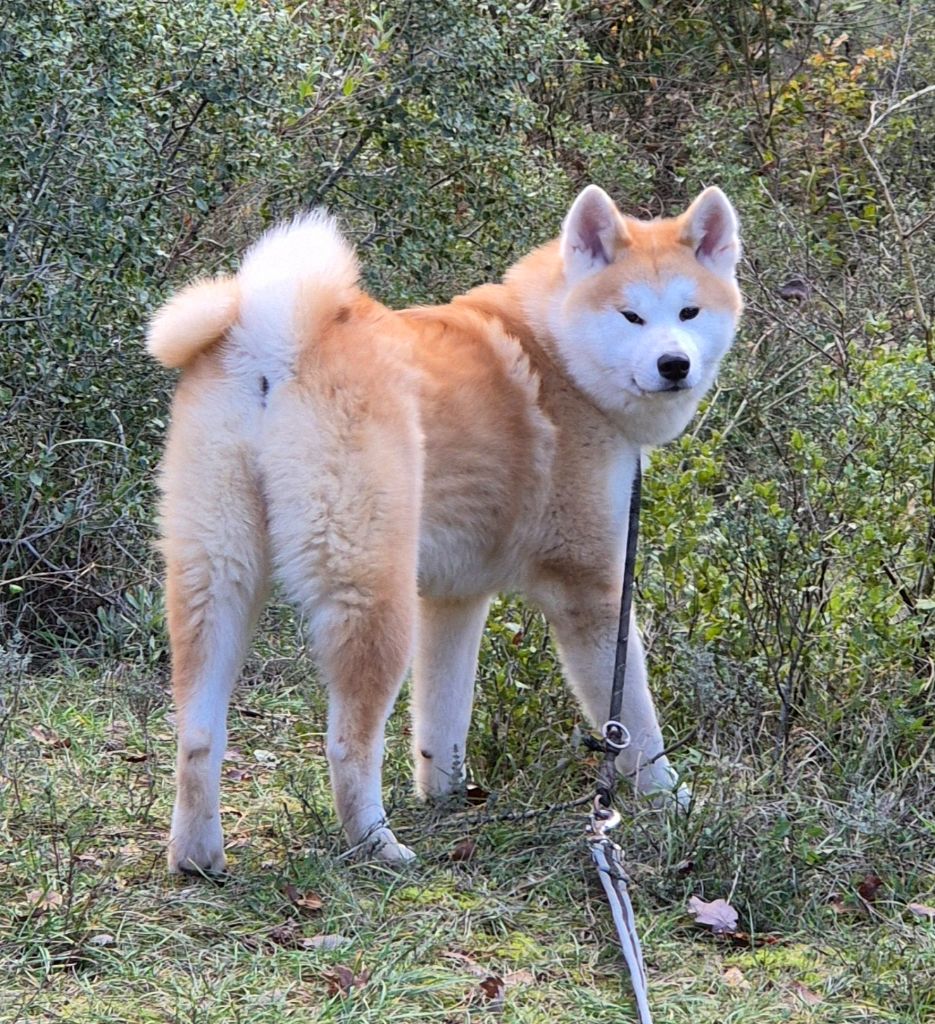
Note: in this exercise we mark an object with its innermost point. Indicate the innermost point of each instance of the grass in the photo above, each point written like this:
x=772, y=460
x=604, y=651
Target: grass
x=92, y=929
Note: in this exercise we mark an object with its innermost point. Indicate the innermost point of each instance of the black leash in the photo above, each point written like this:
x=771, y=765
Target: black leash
x=605, y=853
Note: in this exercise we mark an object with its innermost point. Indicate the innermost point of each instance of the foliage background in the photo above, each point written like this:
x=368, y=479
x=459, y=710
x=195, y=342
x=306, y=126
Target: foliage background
x=787, y=572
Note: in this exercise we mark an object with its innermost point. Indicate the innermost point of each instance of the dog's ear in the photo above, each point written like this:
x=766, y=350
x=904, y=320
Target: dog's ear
x=592, y=235
x=711, y=228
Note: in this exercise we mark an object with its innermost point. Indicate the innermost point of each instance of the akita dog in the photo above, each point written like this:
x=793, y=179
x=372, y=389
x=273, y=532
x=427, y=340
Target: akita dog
x=394, y=470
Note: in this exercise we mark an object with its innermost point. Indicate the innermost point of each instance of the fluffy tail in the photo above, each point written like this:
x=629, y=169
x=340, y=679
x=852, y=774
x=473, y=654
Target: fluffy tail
x=192, y=320
x=261, y=299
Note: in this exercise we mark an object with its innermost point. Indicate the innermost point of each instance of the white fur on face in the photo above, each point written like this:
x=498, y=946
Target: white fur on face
x=617, y=362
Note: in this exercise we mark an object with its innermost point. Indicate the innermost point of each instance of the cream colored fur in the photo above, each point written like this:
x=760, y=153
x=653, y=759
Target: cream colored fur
x=394, y=470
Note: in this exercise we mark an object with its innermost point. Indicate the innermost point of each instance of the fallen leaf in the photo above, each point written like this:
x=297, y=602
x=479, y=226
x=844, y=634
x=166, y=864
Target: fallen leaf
x=284, y=934
x=116, y=733
x=921, y=910
x=308, y=901
x=837, y=904
x=492, y=989
x=733, y=978
x=47, y=738
x=869, y=887
x=467, y=961
x=341, y=980
x=684, y=867
x=324, y=942
x=807, y=996
x=476, y=795
x=463, y=850
x=43, y=901
x=718, y=915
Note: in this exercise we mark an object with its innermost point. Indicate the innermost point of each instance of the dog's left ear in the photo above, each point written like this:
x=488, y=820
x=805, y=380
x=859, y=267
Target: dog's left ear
x=713, y=232
x=592, y=234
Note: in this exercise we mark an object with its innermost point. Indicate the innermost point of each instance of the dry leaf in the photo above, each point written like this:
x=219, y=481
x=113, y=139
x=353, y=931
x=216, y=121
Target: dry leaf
x=476, y=795
x=869, y=887
x=307, y=901
x=283, y=934
x=491, y=990
x=324, y=942
x=733, y=978
x=48, y=738
x=341, y=980
x=43, y=901
x=718, y=915
x=463, y=850
x=807, y=996
x=837, y=904
x=921, y=910
x=684, y=867
x=116, y=733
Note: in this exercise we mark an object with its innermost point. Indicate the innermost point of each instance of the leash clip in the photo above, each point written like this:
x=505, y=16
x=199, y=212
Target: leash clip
x=602, y=819
x=616, y=735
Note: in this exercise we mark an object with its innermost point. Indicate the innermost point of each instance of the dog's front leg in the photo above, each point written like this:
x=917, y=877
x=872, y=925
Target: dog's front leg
x=585, y=624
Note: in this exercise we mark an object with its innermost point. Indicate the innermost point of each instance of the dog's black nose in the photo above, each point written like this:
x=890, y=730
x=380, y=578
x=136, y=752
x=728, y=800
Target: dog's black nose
x=674, y=366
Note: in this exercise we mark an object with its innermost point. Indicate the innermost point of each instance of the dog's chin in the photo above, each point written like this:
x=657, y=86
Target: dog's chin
x=654, y=416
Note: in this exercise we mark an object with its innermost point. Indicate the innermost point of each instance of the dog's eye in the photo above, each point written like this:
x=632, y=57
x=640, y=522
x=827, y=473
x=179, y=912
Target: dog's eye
x=634, y=318
x=688, y=313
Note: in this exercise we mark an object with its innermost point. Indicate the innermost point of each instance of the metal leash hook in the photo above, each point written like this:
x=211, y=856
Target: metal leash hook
x=606, y=854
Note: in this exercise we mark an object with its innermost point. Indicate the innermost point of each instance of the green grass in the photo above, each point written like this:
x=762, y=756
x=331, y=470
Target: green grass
x=92, y=928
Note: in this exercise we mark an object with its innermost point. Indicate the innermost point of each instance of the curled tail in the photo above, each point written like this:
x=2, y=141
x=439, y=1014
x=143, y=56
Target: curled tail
x=192, y=320
x=261, y=300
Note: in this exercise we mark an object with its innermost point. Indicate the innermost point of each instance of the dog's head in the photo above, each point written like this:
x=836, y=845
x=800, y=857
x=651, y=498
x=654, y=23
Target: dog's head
x=645, y=310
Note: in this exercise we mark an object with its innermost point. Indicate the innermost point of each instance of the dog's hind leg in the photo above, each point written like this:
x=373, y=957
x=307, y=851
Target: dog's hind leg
x=443, y=691
x=342, y=471
x=214, y=544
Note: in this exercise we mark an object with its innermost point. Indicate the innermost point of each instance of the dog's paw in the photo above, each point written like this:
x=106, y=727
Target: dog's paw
x=660, y=785
x=382, y=845
x=670, y=798
x=197, y=852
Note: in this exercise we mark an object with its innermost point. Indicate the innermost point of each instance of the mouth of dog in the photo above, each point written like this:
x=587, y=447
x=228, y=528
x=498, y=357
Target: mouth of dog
x=670, y=389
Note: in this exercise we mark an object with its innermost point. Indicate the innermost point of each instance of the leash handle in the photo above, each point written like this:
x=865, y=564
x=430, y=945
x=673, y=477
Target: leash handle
x=606, y=856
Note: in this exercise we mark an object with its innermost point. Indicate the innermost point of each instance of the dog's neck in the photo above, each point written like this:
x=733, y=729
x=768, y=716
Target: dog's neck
x=561, y=397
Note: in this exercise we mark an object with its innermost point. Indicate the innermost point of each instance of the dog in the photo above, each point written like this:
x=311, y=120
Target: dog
x=393, y=470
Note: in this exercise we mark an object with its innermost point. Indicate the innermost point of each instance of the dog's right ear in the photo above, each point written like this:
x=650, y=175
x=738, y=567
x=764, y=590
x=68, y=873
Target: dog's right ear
x=592, y=235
